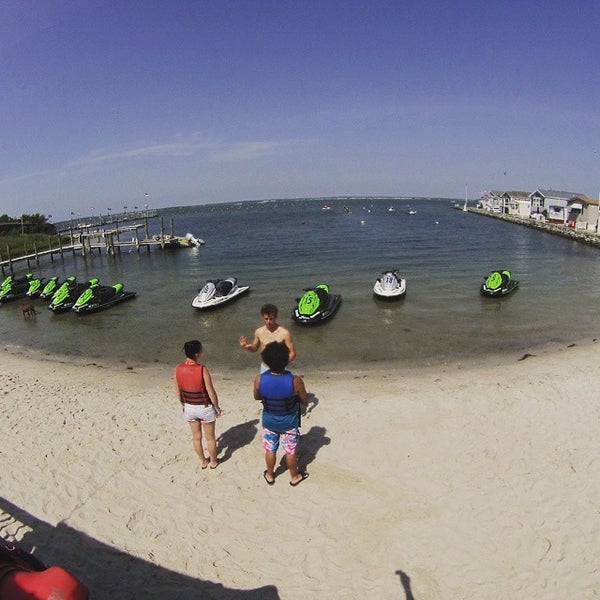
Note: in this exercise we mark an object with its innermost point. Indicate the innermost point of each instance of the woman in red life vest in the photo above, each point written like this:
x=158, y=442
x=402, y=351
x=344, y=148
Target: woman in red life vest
x=200, y=402
x=24, y=577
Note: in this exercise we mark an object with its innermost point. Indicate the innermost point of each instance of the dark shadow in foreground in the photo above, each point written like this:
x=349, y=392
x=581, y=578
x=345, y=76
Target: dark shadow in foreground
x=405, y=581
x=110, y=573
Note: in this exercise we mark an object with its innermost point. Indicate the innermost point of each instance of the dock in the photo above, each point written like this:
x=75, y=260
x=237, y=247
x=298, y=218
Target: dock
x=107, y=235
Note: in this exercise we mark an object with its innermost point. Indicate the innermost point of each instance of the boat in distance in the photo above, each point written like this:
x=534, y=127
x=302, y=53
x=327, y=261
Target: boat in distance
x=498, y=283
x=390, y=286
x=216, y=292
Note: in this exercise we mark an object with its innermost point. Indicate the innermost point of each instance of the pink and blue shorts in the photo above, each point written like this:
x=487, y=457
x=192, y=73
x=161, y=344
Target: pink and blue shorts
x=289, y=440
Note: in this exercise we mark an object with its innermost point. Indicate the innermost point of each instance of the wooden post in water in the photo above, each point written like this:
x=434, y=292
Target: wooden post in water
x=118, y=234
x=37, y=256
x=162, y=233
x=146, y=231
x=10, y=267
x=50, y=249
x=172, y=227
x=26, y=255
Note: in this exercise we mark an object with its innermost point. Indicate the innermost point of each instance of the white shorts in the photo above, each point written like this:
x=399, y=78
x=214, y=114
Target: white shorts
x=199, y=412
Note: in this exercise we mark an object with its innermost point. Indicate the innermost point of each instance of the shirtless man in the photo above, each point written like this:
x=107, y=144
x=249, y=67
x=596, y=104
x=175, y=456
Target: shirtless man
x=271, y=331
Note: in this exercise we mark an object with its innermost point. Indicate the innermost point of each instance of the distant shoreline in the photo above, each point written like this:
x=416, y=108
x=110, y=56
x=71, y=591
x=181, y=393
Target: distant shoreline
x=585, y=237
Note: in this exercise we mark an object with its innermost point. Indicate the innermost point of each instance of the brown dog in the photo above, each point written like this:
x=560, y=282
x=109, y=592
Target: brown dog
x=28, y=309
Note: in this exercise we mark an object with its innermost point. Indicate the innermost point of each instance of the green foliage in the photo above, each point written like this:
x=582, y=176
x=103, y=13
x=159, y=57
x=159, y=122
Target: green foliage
x=25, y=224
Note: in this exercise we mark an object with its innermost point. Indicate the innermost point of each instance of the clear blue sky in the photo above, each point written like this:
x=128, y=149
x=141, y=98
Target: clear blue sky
x=200, y=101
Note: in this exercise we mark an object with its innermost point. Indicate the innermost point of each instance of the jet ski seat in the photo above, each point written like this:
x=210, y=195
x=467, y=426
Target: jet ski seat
x=224, y=287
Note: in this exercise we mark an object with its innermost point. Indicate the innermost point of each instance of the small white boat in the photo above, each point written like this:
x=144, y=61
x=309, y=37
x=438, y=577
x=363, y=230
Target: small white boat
x=216, y=292
x=412, y=211
x=390, y=285
x=190, y=240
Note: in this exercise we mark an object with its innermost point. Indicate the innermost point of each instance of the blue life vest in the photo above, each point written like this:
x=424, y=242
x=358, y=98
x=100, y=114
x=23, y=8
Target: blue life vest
x=277, y=393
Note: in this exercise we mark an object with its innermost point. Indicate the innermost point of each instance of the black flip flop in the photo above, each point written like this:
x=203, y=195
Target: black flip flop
x=304, y=476
x=268, y=482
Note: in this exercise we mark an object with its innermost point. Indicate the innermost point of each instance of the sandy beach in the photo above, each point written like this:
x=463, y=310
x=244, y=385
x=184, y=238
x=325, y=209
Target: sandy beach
x=452, y=482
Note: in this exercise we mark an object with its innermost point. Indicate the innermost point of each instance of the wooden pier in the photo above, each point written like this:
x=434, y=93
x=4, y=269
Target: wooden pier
x=87, y=238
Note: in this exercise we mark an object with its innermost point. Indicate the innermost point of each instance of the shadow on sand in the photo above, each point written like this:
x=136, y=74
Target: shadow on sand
x=405, y=581
x=235, y=438
x=310, y=444
x=109, y=572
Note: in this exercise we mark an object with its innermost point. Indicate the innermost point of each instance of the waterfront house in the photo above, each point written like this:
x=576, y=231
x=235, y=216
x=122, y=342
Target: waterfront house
x=492, y=201
x=516, y=203
x=557, y=207
x=583, y=213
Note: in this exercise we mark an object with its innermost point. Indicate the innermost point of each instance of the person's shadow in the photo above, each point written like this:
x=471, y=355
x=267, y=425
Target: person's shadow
x=110, y=573
x=310, y=444
x=313, y=402
x=405, y=581
x=236, y=437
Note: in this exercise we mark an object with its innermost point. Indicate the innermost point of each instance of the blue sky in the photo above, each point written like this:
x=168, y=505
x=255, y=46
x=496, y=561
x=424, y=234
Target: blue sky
x=193, y=102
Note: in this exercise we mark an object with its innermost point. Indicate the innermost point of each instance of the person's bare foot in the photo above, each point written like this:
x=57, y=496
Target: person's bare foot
x=205, y=462
x=214, y=465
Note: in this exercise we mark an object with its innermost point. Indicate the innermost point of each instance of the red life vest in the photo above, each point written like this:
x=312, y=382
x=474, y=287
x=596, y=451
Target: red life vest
x=190, y=380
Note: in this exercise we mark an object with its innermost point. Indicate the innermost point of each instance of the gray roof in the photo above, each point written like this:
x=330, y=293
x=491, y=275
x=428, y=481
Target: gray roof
x=560, y=194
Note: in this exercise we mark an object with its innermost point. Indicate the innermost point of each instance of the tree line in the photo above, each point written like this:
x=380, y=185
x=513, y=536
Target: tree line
x=35, y=223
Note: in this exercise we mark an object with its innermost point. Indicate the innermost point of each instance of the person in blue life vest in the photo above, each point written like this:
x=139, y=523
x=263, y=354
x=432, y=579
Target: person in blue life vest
x=281, y=393
x=200, y=402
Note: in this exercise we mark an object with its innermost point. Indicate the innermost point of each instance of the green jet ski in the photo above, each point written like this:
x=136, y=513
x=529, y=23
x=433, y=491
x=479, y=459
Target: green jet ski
x=316, y=305
x=98, y=296
x=499, y=283
x=66, y=295
x=50, y=287
x=14, y=287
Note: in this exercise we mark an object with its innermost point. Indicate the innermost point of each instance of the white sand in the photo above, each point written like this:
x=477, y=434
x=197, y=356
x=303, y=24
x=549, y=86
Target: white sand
x=477, y=482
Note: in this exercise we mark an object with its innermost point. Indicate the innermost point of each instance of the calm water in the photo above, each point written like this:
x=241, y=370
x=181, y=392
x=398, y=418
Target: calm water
x=281, y=247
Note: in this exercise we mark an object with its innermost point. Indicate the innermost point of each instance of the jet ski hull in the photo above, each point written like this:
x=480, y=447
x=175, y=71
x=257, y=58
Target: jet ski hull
x=217, y=292
x=503, y=291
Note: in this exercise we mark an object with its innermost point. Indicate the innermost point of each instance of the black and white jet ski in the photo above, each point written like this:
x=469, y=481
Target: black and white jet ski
x=216, y=292
x=97, y=297
x=499, y=283
x=316, y=305
x=390, y=285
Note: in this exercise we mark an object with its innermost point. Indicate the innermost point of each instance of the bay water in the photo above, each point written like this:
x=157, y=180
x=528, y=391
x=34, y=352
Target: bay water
x=281, y=247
